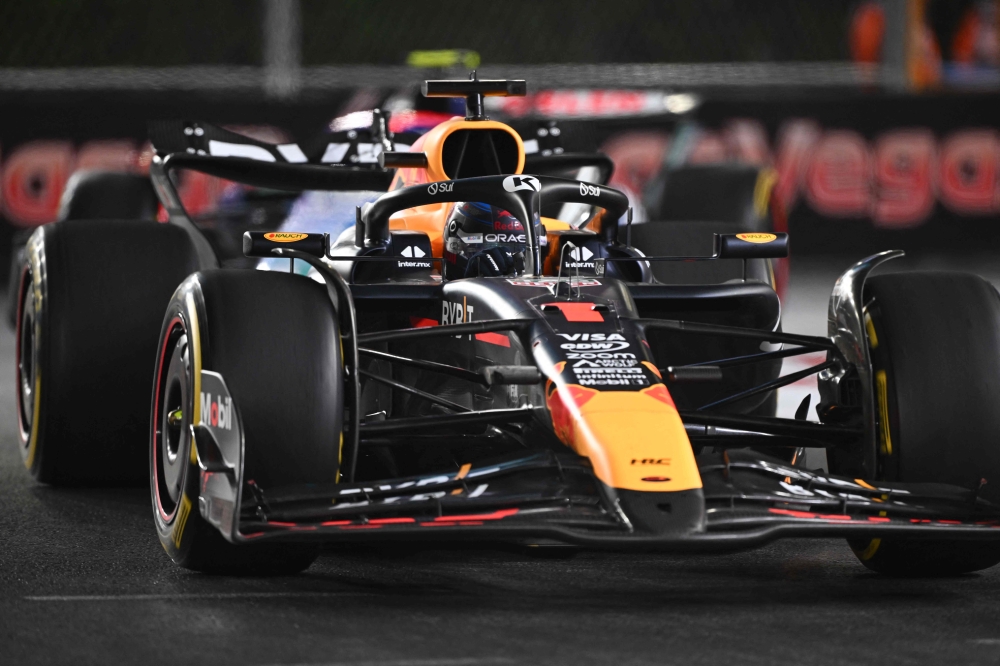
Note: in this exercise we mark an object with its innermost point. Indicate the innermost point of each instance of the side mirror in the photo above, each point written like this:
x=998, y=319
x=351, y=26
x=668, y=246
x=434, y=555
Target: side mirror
x=260, y=244
x=751, y=245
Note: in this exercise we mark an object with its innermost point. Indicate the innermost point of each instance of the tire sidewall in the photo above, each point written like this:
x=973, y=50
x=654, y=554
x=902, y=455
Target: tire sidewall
x=180, y=528
x=98, y=288
x=33, y=283
x=188, y=538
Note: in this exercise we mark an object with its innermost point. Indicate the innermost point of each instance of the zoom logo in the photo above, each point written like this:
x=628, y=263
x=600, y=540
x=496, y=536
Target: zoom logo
x=589, y=190
x=434, y=188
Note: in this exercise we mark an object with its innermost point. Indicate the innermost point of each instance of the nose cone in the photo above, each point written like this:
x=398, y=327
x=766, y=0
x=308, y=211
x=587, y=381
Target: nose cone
x=637, y=445
x=634, y=439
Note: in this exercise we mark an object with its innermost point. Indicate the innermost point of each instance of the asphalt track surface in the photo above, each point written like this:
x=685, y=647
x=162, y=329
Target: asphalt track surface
x=83, y=580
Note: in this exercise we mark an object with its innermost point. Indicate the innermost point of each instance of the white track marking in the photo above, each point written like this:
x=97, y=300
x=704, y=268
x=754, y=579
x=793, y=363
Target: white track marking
x=182, y=596
x=463, y=661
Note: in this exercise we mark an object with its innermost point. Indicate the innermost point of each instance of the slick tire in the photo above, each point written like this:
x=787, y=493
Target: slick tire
x=89, y=195
x=90, y=303
x=94, y=194
x=935, y=345
x=274, y=339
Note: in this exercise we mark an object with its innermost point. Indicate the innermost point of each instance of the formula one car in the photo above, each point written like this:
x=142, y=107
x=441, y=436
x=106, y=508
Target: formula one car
x=462, y=366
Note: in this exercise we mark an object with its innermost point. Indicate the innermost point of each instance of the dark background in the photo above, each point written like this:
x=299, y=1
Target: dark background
x=192, y=32
x=82, y=577
x=118, y=64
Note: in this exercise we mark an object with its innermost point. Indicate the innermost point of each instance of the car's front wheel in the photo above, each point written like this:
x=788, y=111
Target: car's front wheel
x=274, y=341
x=935, y=346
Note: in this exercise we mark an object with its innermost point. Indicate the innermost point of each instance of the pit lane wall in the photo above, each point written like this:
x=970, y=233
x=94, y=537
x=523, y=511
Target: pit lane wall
x=853, y=171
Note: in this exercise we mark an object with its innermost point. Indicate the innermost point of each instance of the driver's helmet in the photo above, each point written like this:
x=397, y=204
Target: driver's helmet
x=483, y=241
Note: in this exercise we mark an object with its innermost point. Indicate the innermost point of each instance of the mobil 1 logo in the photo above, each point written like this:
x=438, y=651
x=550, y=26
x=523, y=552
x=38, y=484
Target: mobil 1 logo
x=218, y=414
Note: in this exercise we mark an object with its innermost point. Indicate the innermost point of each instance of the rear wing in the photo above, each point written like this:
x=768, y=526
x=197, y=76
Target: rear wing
x=277, y=175
x=355, y=144
x=221, y=153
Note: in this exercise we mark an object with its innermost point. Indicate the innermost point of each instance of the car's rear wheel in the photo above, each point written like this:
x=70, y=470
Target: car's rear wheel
x=274, y=339
x=90, y=303
x=88, y=195
x=935, y=345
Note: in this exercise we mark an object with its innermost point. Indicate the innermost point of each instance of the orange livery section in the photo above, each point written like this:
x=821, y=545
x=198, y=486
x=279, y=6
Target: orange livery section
x=635, y=440
x=445, y=145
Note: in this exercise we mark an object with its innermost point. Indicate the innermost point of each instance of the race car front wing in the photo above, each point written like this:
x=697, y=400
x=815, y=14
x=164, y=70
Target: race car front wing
x=749, y=500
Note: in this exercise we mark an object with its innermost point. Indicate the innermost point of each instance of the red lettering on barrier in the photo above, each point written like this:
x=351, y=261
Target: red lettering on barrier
x=968, y=172
x=795, y=143
x=35, y=174
x=557, y=103
x=837, y=182
x=112, y=155
x=895, y=180
x=904, y=181
x=33, y=180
